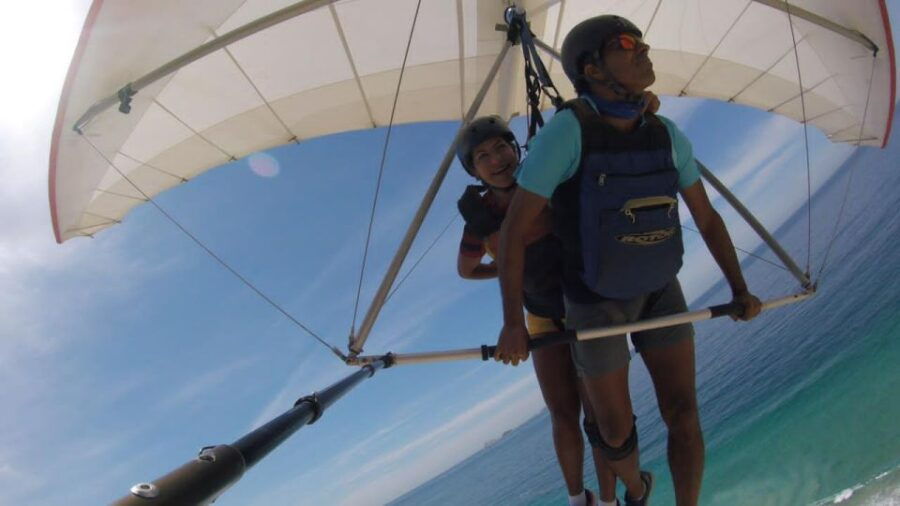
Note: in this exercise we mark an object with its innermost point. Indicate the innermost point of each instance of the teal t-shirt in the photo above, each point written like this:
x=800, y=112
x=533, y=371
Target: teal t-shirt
x=554, y=155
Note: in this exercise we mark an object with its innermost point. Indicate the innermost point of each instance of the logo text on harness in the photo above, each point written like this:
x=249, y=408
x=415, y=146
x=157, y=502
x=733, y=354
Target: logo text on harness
x=647, y=238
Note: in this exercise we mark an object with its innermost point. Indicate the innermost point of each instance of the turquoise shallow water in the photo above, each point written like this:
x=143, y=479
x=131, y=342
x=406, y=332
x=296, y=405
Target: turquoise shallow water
x=802, y=406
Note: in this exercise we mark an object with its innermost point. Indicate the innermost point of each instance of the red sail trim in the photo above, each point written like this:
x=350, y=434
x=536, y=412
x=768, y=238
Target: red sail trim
x=885, y=19
x=61, y=110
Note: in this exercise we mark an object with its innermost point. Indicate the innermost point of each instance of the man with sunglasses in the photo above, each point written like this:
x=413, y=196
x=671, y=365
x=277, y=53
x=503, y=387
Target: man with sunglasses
x=612, y=176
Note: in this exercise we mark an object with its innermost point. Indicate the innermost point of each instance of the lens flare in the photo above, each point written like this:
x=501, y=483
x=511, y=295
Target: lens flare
x=263, y=164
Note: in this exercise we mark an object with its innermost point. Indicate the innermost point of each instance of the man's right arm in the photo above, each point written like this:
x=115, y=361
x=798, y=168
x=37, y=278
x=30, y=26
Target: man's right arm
x=553, y=157
x=512, y=345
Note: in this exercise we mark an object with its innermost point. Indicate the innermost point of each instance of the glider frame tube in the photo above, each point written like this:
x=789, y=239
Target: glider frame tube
x=486, y=352
x=216, y=468
x=751, y=220
x=357, y=341
x=826, y=23
x=241, y=32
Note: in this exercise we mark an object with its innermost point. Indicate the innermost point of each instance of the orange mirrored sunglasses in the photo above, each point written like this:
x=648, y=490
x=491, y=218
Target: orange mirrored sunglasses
x=626, y=41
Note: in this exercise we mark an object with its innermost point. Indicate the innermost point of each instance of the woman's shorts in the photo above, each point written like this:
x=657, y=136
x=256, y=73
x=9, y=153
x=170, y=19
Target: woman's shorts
x=541, y=325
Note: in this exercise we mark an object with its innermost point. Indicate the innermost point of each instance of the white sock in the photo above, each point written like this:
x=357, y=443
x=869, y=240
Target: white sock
x=578, y=500
x=642, y=493
x=601, y=502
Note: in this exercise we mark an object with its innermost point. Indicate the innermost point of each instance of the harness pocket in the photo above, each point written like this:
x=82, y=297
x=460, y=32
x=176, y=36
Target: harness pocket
x=639, y=248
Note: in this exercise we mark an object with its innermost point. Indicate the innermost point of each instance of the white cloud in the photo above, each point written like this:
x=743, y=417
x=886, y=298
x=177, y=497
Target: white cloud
x=337, y=279
x=27, y=249
x=325, y=282
x=32, y=83
x=39, y=57
x=414, y=323
x=436, y=451
x=14, y=478
x=403, y=452
x=681, y=110
x=761, y=143
x=309, y=373
x=206, y=381
x=767, y=172
x=49, y=291
x=404, y=416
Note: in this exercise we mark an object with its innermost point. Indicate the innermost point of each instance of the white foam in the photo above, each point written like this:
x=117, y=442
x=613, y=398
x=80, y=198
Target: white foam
x=843, y=495
x=872, y=492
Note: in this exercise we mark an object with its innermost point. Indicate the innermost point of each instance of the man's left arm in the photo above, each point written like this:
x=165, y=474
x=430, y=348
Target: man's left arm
x=712, y=228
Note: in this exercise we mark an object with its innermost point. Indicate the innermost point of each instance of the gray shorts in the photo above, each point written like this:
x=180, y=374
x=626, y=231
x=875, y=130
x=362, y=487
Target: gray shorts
x=599, y=356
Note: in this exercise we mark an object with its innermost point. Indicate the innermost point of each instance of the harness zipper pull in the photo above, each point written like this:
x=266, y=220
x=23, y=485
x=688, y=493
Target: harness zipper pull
x=601, y=179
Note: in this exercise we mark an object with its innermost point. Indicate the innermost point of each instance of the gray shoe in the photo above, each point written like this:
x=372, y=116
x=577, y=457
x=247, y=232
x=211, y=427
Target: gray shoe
x=647, y=478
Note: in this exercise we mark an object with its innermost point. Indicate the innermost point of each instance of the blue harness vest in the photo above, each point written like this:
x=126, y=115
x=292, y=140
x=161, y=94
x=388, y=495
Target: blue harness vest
x=617, y=216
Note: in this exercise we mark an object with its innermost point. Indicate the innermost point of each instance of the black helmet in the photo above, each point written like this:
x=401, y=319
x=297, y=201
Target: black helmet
x=478, y=131
x=587, y=37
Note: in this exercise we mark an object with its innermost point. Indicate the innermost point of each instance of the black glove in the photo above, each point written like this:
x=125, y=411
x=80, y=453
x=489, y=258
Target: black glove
x=479, y=219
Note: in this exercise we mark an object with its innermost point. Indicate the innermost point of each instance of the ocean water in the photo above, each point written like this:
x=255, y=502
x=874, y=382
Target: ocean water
x=801, y=406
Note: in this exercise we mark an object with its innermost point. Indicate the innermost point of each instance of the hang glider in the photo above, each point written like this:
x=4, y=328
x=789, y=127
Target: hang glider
x=211, y=81
x=159, y=93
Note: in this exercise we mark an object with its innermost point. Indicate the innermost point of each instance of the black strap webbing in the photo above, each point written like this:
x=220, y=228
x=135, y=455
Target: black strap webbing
x=537, y=79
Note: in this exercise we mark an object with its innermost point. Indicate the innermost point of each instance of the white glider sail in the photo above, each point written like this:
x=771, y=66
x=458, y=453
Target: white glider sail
x=335, y=68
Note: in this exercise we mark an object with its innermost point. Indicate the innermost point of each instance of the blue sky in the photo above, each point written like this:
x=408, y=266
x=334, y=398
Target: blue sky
x=121, y=356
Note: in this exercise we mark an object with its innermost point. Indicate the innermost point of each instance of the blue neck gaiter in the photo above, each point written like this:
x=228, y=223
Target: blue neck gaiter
x=624, y=110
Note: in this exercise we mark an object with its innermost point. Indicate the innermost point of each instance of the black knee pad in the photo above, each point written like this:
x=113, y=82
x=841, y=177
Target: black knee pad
x=620, y=452
x=592, y=432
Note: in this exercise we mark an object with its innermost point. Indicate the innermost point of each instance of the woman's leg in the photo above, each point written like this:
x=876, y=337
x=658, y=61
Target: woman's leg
x=606, y=478
x=558, y=382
